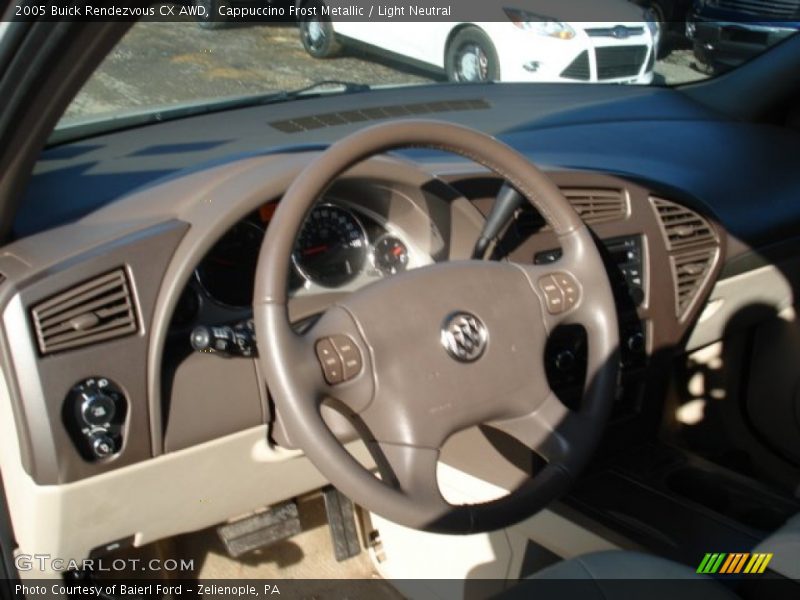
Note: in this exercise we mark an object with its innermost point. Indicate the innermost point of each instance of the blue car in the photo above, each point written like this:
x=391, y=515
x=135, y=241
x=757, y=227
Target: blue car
x=726, y=33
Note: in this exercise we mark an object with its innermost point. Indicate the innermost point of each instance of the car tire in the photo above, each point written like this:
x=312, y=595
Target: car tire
x=659, y=12
x=317, y=34
x=472, y=57
x=212, y=19
x=703, y=62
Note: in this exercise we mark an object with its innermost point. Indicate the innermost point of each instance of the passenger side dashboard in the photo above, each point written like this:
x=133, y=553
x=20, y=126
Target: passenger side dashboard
x=662, y=258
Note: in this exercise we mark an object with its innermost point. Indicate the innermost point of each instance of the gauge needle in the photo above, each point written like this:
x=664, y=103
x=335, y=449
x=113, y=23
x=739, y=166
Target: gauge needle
x=315, y=250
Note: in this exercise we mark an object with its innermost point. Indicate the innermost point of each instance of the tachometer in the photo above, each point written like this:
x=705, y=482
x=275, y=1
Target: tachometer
x=390, y=255
x=331, y=249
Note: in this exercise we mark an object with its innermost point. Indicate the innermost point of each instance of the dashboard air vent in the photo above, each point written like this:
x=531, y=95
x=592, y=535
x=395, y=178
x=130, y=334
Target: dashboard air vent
x=682, y=228
x=346, y=117
x=593, y=206
x=690, y=270
x=93, y=311
x=597, y=205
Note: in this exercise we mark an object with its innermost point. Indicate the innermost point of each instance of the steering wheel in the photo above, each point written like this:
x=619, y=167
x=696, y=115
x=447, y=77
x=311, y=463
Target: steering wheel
x=417, y=357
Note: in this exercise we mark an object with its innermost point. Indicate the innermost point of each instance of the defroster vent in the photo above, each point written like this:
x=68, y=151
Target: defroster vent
x=96, y=310
x=376, y=113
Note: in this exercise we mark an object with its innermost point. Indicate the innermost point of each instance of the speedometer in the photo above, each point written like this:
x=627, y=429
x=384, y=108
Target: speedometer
x=331, y=249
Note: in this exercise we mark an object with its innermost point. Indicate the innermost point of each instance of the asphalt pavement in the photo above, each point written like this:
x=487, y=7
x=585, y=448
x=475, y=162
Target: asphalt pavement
x=161, y=64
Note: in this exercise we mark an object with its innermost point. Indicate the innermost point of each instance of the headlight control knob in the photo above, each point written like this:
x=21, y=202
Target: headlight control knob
x=95, y=411
x=102, y=444
x=98, y=408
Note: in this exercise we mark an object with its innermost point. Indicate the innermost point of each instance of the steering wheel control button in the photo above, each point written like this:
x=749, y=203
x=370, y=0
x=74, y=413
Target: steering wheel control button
x=464, y=336
x=350, y=355
x=560, y=291
x=331, y=362
x=569, y=287
x=97, y=408
x=554, y=297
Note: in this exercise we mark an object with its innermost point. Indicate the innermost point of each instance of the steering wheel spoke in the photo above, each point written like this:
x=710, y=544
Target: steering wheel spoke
x=551, y=430
x=412, y=470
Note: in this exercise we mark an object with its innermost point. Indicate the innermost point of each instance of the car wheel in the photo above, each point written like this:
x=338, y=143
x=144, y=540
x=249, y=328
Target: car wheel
x=656, y=11
x=471, y=57
x=210, y=19
x=317, y=34
x=659, y=14
x=703, y=62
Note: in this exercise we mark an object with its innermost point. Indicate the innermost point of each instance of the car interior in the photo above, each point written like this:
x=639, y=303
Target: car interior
x=489, y=335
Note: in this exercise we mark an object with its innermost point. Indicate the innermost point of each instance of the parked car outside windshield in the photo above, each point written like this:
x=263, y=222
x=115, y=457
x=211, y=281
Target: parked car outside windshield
x=167, y=65
x=523, y=47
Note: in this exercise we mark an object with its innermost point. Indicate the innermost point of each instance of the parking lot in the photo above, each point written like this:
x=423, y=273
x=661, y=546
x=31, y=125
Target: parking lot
x=159, y=64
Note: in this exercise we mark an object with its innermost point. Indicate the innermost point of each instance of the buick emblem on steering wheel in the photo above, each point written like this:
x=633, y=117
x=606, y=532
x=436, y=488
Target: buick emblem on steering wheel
x=464, y=336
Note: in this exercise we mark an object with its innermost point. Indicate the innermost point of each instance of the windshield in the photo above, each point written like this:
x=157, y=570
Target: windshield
x=217, y=55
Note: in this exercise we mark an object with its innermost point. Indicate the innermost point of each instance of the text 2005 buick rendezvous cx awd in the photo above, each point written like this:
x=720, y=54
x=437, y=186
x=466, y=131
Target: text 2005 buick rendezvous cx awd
x=338, y=328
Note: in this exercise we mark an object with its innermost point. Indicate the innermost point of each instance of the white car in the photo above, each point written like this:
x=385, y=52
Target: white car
x=524, y=47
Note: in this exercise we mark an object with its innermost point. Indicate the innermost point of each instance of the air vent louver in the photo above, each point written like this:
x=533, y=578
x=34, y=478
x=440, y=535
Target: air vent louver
x=682, y=228
x=690, y=270
x=694, y=246
x=597, y=205
x=593, y=206
x=97, y=310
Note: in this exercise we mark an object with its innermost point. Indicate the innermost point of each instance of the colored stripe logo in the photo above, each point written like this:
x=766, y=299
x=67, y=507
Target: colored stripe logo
x=734, y=563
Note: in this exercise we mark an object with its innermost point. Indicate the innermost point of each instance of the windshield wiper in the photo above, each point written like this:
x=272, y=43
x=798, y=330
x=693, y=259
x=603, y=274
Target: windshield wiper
x=95, y=127
x=347, y=87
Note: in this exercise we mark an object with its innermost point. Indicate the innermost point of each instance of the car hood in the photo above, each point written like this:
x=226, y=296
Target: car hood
x=605, y=11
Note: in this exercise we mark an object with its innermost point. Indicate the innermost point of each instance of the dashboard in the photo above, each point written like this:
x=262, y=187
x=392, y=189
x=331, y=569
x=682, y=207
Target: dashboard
x=194, y=267
x=186, y=259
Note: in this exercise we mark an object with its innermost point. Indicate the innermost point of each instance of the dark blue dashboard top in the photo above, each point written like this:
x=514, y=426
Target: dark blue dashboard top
x=747, y=174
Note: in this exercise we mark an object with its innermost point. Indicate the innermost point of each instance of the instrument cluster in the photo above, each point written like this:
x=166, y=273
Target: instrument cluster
x=341, y=247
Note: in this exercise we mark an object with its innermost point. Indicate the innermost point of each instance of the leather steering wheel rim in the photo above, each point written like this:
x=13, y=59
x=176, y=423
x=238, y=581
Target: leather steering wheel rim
x=409, y=395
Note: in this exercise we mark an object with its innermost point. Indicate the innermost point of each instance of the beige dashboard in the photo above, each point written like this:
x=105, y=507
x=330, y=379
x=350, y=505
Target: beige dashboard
x=210, y=418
